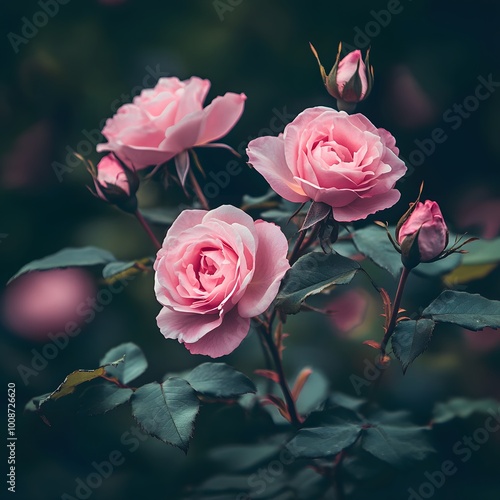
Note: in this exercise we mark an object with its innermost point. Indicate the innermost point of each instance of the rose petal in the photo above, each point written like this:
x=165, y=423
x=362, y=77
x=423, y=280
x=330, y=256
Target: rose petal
x=224, y=339
x=220, y=116
x=186, y=326
x=363, y=207
x=271, y=265
x=267, y=156
x=186, y=220
x=195, y=92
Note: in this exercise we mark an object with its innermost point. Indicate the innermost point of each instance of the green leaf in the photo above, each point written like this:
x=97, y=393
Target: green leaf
x=133, y=366
x=167, y=411
x=250, y=202
x=314, y=393
x=346, y=401
x=34, y=403
x=75, y=379
x=482, y=252
x=310, y=275
x=68, y=386
x=103, y=398
x=218, y=380
x=69, y=257
x=396, y=444
x=472, y=311
x=318, y=442
x=162, y=216
x=317, y=212
x=464, y=408
x=410, y=340
x=440, y=267
x=373, y=242
x=241, y=458
x=118, y=269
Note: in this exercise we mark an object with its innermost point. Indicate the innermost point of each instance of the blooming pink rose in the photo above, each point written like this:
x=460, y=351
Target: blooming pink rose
x=215, y=271
x=169, y=119
x=433, y=237
x=351, y=66
x=334, y=158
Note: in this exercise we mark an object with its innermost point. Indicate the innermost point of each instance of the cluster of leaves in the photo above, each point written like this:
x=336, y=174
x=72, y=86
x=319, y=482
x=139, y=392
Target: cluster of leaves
x=165, y=410
x=347, y=439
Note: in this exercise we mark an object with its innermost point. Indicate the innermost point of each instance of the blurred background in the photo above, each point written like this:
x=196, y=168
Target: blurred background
x=68, y=68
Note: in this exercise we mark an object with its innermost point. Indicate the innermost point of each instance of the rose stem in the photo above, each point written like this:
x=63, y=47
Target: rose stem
x=290, y=403
x=296, y=249
x=337, y=476
x=267, y=355
x=196, y=186
x=146, y=227
x=312, y=237
x=395, y=309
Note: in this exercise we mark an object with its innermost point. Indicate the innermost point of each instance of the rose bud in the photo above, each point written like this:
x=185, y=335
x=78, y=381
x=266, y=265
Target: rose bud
x=422, y=235
x=350, y=80
x=116, y=183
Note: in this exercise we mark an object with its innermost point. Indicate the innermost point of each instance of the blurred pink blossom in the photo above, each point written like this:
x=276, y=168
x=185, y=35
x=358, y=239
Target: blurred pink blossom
x=410, y=105
x=29, y=158
x=484, y=340
x=479, y=209
x=40, y=303
x=349, y=310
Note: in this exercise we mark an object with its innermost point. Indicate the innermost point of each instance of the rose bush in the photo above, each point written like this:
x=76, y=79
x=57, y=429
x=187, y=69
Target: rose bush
x=216, y=270
x=426, y=220
x=169, y=119
x=331, y=157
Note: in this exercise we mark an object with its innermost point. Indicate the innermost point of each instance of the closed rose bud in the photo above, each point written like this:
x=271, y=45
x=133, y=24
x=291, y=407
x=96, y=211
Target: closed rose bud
x=423, y=236
x=350, y=83
x=350, y=79
x=116, y=183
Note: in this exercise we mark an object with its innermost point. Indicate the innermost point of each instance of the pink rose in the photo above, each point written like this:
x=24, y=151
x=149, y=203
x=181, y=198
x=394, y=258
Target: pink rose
x=169, y=119
x=433, y=236
x=334, y=158
x=216, y=271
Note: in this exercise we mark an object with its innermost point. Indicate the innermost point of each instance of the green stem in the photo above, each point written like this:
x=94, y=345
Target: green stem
x=198, y=191
x=395, y=309
x=296, y=249
x=290, y=403
x=146, y=227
